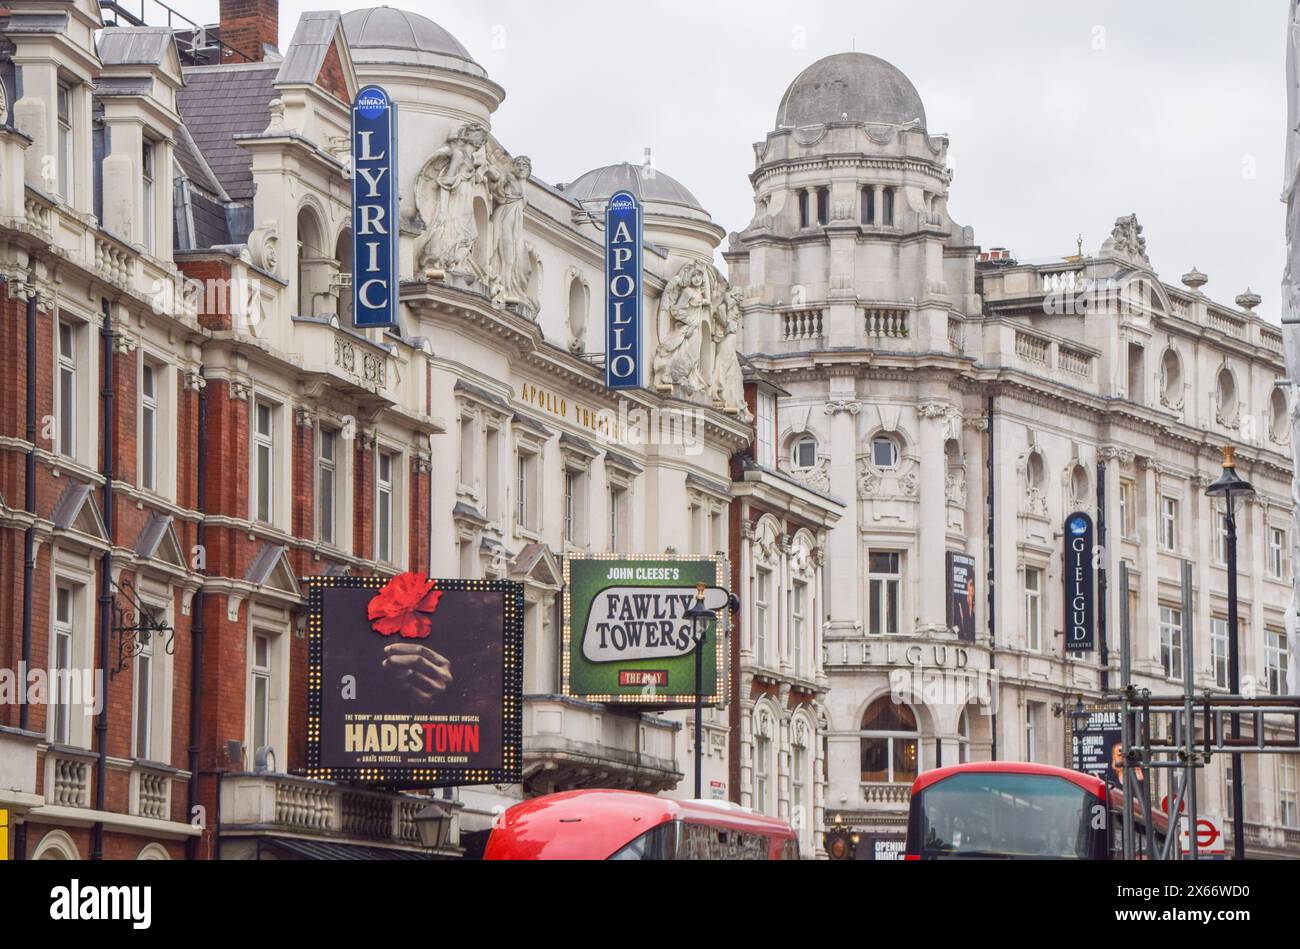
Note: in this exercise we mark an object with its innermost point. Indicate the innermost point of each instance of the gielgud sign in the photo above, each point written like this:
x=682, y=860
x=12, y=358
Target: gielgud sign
x=415, y=682
x=627, y=639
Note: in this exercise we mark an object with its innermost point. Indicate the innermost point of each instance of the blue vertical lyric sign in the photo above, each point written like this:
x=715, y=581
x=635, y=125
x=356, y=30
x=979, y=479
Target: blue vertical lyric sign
x=374, y=209
x=623, y=292
x=1080, y=627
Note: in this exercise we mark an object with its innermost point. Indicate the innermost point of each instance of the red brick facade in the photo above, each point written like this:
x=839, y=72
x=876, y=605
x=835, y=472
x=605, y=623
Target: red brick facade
x=249, y=25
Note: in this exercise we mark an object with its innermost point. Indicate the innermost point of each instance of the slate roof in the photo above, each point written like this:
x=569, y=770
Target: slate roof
x=220, y=102
x=136, y=45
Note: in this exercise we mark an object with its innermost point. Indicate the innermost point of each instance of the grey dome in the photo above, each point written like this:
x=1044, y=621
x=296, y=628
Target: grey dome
x=389, y=35
x=850, y=87
x=600, y=184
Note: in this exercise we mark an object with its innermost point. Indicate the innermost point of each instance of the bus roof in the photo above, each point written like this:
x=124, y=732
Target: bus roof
x=594, y=824
x=1090, y=784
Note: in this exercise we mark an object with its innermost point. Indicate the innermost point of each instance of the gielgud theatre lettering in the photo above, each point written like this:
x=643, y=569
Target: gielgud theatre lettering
x=414, y=680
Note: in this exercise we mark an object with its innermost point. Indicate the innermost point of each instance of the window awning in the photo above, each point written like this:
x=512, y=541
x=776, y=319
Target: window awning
x=295, y=848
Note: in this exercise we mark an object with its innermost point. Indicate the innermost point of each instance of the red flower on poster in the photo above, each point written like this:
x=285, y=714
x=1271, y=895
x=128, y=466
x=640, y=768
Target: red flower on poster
x=405, y=607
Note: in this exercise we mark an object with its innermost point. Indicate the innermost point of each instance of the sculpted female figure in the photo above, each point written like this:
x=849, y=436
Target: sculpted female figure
x=444, y=194
x=686, y=307
x=728, y=379
x=510, y=260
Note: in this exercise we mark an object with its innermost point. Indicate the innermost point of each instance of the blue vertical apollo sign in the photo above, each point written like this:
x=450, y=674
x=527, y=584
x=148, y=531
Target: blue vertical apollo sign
x=623, y=292
x=374, y=209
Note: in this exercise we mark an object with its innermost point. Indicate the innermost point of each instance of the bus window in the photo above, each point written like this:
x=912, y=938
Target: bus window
x=659, y=843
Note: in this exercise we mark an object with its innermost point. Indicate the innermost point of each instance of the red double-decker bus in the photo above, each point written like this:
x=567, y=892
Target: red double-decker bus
x=1009, y=810
x=627, y=825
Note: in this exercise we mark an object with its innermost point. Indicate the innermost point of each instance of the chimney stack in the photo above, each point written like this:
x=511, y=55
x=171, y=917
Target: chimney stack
x=250, y=26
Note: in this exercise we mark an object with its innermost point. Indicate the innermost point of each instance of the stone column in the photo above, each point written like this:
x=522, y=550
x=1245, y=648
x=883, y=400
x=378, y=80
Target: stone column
x=844, y=546
x=930, y=588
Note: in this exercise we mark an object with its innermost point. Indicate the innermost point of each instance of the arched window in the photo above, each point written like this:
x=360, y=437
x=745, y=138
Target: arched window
x=56, y=845
x=868, y=205
x=1171, y=378
x=801, y=781
x=823, y=206
x=1079, y=482
x=890, y=743
x=803, y=454
x=1034, y=470
x=884, y=452
x=805, y=209
x=343, y=254
x=1279, y=417
x=1227, y=396
x=889, y=207
x=313, y=281
x=764, y=780
x=579, y=304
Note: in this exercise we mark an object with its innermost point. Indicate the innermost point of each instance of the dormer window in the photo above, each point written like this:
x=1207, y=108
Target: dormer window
x=65, y=146
x=150, y=206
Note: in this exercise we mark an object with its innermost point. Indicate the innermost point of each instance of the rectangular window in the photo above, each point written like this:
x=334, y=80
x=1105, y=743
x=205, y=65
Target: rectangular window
x=61, y=667
x=1220, y=537
x=805, y=215
x=144, y=697
x=521, y=490
x=868, y=205
x=468, y=438
x=570, y=505
x=327, y=473
x=263, y=461
x=889, y=207
x=148, y=428
x=1275, y=662
x=66, y=145
x=492, y=485
x=823, y=206
x=1127, y=511
x=798, y=616
x=384, y=509
x=1031, y=732
x=1169, y=523
x=762, y=613
x=147, y=170
x=260, y=689
x=1171, y=642
x=67, y=389
x=1034, y=610
x=1219, y=646
x=766, y=430
x=762, y=750
x=1288, y=814
x=619, y=531
x=1277, y=553
x=884, y=583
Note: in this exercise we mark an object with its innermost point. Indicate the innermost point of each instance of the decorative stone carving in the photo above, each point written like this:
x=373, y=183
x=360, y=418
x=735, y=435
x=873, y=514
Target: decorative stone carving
x=954, y=490
x=1126, y=240
x=304, y=417
x=264, y=245
x=472, y=168
x=699, y=331
x=194, y=381
x=835, y=408
x=817, y=477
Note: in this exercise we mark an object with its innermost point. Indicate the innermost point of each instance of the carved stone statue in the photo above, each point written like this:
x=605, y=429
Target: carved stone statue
x=728, y=379
x=444, y=194
x=699, y=324
x=1127, y=240
x=510, y=258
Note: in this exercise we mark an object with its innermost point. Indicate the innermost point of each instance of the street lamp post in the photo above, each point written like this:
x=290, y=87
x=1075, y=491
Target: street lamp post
x=700, y=616
x=1231, y=486
x=1078, y=720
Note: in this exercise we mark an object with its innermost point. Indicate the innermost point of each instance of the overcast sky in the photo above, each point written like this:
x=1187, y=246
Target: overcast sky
x=1062, y=117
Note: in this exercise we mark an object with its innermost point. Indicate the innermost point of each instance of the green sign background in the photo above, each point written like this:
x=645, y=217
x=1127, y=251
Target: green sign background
x=585, y=580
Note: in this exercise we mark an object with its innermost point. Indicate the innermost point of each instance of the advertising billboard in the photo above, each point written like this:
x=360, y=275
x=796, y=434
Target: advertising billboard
x=1098, y=745
x=414, y=683
x=626, y=640
x=961, y=596
x=1080, y=627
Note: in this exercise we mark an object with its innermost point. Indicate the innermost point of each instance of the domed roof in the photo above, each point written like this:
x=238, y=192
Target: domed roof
x=649, y=186
x=850, y=87
x=389, y=35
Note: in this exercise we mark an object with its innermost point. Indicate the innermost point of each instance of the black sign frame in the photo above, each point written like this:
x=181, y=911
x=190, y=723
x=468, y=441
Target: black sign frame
x=1078, y=577
x=510, y=770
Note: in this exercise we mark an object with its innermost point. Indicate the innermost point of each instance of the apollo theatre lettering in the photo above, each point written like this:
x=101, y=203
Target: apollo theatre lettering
x=623, y=294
